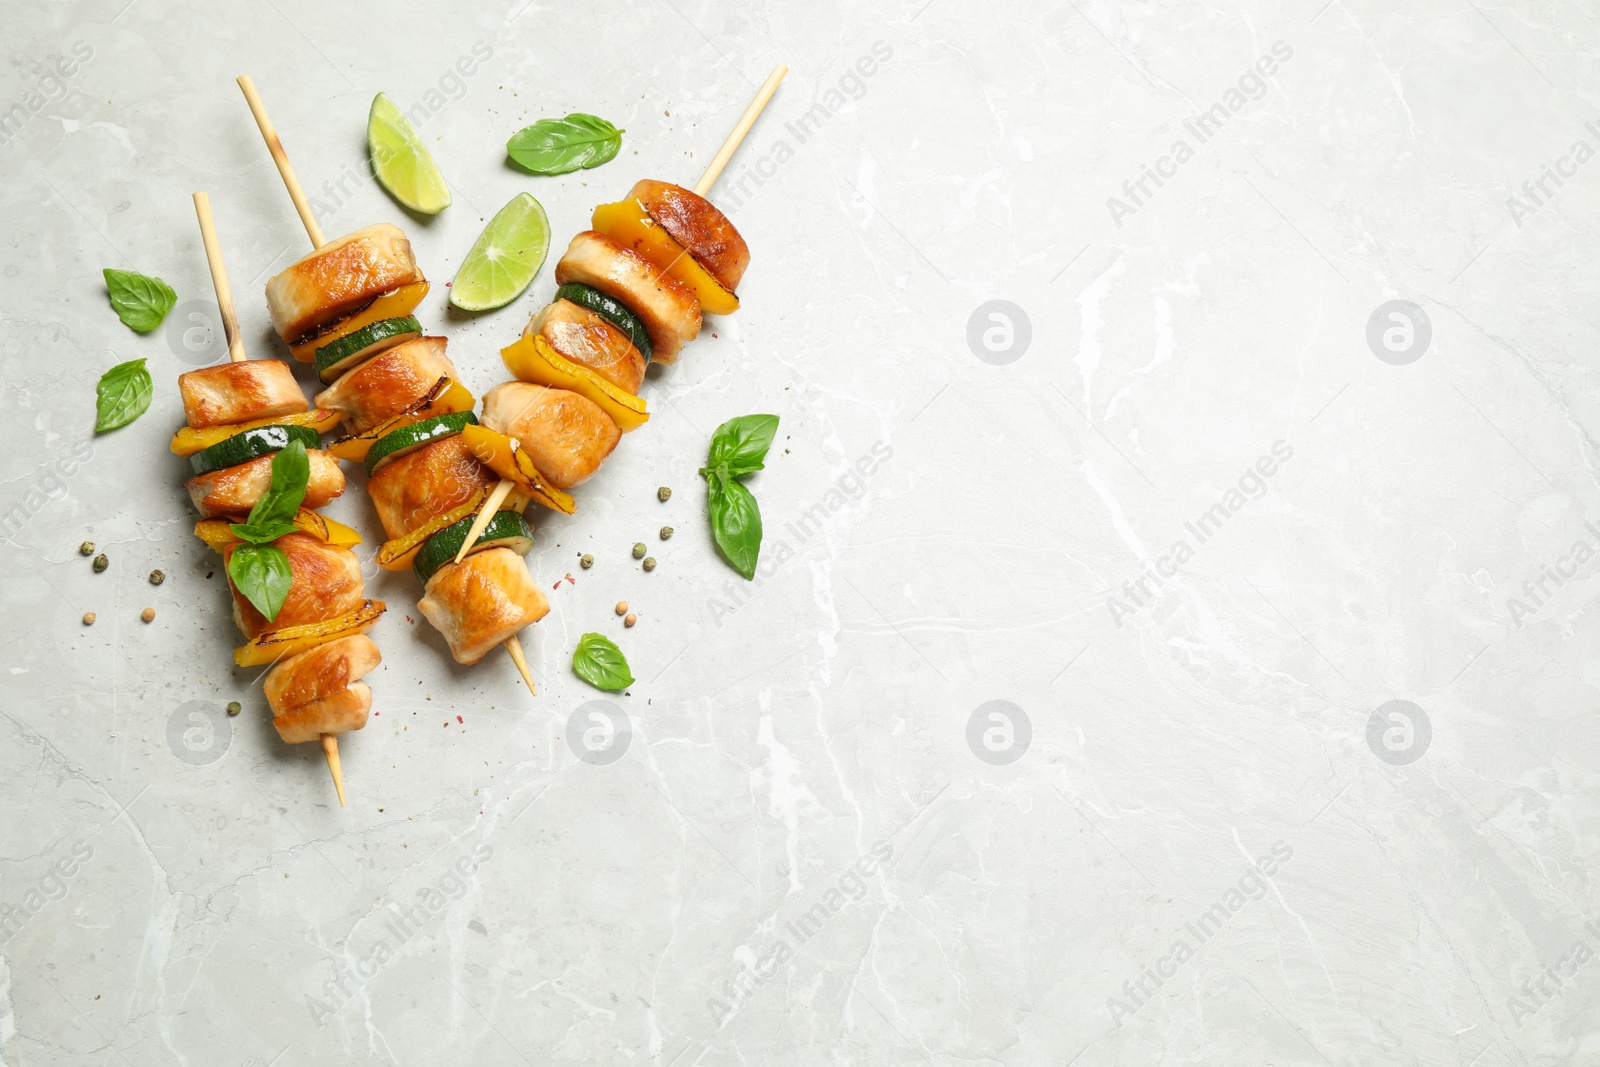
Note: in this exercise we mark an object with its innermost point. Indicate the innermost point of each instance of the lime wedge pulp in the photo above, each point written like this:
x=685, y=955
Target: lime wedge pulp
x=401, y=163
x=504, y=259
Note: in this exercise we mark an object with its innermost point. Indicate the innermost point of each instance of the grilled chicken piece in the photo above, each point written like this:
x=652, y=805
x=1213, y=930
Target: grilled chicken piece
x=338, y=713
x=235, y=490
x=320, y=672
x=481, y=601
x=670, y=313
x=239, y=392
x=324, y=583
x=590, y=339
x=409, y=491
x=698, y=226
x=567, y=435
x=341, y=277
x=388, y=383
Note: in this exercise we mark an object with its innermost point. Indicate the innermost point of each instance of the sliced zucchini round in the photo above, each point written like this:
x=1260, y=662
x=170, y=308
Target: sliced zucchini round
x=249, y=444
x=589, y=297
x=337, y=357
x=408, y=439
x=506, y=530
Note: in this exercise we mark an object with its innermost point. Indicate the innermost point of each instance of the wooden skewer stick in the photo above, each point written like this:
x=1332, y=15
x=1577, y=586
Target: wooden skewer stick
x=490, y=506
x=309, y=220
x=514, y=646
x=281, y=158
x=236, y=353
x=747, y=120
x=219, y=278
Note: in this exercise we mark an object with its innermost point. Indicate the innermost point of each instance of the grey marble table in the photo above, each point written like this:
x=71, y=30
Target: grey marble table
x=1174, y=641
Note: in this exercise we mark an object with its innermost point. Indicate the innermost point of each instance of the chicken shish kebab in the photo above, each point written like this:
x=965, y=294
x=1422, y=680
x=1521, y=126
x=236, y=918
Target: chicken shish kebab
x=631, y=290
x=298, y=597
x=346, y=308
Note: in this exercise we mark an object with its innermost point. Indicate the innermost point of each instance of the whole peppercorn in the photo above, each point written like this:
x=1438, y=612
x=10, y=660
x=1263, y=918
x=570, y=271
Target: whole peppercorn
x=101, y=563
x=234, y=708
x=88, y=618
x=663, y=494
x=148, y=614
x=639, y=550
x=630, y=619
x=587, y=561
x=86, y=549
x=649, y=563
x=622, y=607
x=157, y=577
x=666, y=532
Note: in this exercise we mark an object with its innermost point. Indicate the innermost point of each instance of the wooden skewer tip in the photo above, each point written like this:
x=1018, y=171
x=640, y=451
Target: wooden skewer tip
x=330, y=751
x=514, y=646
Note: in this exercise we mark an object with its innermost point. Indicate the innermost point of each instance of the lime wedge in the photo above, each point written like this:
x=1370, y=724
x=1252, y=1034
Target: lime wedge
x=401, y=163
x=504, y=259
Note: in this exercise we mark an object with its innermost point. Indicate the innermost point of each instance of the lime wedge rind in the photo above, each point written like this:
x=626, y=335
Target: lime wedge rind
x=505, y=258
x=401, y=162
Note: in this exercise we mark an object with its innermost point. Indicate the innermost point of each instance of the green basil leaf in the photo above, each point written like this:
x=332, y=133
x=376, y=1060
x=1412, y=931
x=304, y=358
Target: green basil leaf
x=741, y=444
x=261, y=574
x=558, y=146
x=598, y=661
x=735, y=524
x=291, y=471
x=141, y=302
x=261, y=535
x=122, y=395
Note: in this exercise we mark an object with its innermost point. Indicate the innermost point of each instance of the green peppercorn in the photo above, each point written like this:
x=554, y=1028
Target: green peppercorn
x=666, y=532
x=639, y=550
x=234, y=708
x=101, y=563
x=86, y=549
x=649, y=563
x=586, y=562
x=156, y=577
x=663, y=494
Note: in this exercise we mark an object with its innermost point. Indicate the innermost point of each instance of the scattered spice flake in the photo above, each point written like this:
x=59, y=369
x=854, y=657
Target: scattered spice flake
x=460, y=719
x=570, y=579
x=713, y=336
x=557, y=585
x=410, y=620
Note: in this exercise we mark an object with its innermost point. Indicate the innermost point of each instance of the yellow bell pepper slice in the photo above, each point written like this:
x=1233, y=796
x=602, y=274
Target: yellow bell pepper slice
x=272, y=645
x=445, y=397
x=507, y=458
x=187, y=442
x=218, y=533
x=627, y=223
x=531, y=359
x=391, y=305
x=397, y=555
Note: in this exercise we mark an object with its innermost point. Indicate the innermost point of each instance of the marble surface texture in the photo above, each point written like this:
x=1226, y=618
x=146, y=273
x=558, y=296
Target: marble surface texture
x=1175, y=641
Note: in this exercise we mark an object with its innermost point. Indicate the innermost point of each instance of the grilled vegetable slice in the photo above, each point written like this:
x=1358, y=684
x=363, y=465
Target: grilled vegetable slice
x=398, y=554
x=531, y=359
x=506, y=529
x=247, y=445
x=394, y=304
x=627, y=223
x=336, y=357
x=507, y=458
x=589, y=297
x=269, y=646
x=188, y=441
x=407, y=439
x=446, y=396
x=219, y=532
